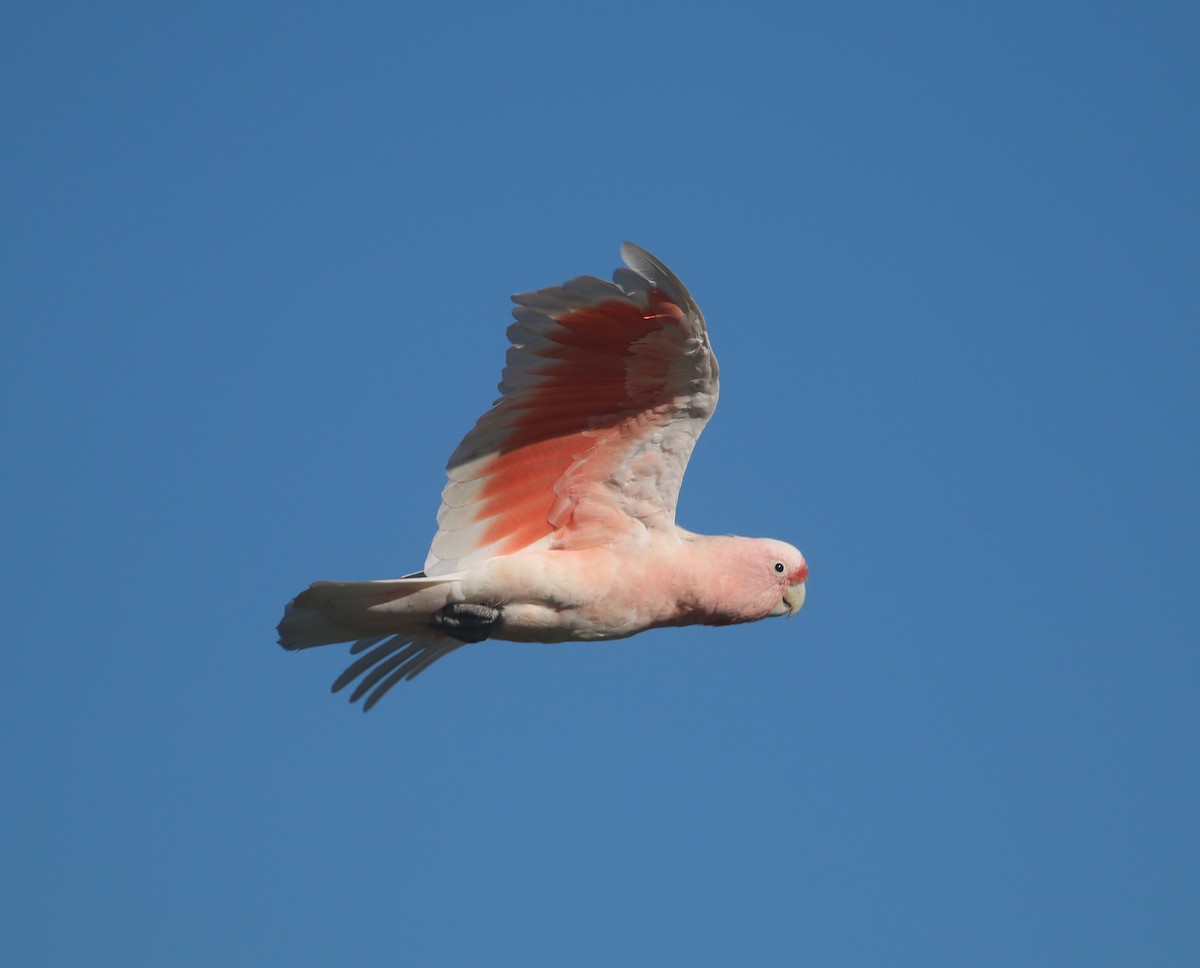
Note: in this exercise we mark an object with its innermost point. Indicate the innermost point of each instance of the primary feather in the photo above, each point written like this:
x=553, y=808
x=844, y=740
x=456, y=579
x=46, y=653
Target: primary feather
x=558, y=517
x=599, y=375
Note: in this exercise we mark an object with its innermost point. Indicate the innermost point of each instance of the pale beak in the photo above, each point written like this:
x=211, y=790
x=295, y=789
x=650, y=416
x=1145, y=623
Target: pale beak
x=792, y=600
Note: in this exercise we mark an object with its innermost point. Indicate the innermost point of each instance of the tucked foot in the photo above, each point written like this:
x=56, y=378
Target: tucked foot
x=466, y=622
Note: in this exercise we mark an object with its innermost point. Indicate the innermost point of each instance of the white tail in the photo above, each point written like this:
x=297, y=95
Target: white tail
x=345, y=611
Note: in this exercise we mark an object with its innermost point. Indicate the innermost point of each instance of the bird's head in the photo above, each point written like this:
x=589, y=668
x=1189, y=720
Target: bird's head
x=790, y=572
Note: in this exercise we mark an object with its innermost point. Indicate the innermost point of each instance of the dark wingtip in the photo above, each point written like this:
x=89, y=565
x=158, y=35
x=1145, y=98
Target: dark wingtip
x=282, y=641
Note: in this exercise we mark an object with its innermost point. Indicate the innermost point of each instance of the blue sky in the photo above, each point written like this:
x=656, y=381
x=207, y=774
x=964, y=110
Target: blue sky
x=256, y=261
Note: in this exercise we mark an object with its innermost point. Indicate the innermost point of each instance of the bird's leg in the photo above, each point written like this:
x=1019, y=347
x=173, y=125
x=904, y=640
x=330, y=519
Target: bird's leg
x=465, y=621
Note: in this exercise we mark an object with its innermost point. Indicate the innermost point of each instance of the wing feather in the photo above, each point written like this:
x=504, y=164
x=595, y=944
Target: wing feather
x=605, y=389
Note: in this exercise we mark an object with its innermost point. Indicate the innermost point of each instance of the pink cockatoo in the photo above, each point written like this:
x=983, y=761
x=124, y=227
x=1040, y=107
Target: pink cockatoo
x=558, y=520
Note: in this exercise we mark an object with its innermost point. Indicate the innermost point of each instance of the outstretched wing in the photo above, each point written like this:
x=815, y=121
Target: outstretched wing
x=391, y=659
x=605, y=389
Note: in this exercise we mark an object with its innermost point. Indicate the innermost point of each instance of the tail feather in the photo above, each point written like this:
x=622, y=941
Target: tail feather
x=346, y=611
x=396, y=636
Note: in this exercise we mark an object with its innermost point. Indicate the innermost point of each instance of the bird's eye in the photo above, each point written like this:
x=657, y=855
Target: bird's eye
x=779, y=567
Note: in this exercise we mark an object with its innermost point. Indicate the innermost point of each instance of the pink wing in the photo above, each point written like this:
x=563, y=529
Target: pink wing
x=605, y=389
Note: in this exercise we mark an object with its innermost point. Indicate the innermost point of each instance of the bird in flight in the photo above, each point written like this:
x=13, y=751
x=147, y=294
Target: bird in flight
x=558, y=517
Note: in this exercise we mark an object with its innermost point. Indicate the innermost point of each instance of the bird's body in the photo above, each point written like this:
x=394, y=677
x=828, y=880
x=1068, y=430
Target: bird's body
x=558, y=520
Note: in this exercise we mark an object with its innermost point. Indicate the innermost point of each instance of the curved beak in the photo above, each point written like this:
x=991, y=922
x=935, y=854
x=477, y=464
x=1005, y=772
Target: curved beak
x=792, y=600
x=794, y=597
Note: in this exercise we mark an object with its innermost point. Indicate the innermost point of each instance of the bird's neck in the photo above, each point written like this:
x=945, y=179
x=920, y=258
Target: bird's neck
x=713, y=587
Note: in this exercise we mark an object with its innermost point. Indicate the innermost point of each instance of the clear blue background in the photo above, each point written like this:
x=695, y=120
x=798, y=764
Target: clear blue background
x=255, y=268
